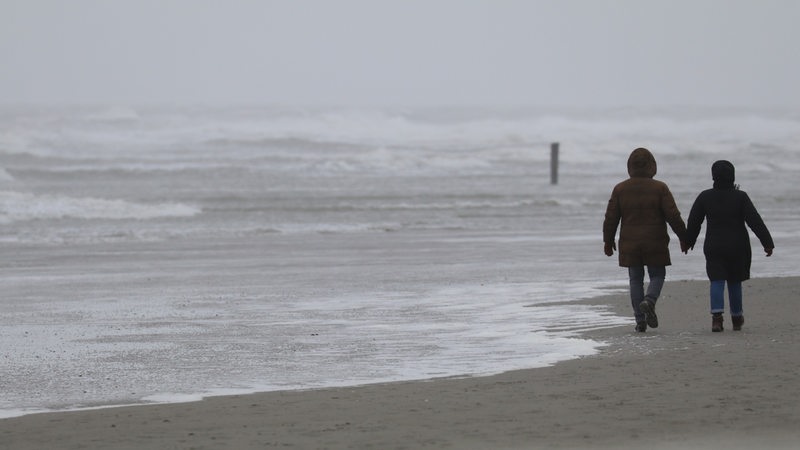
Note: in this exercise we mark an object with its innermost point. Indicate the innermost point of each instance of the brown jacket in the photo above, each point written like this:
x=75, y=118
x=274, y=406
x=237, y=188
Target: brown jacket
x=644, y=206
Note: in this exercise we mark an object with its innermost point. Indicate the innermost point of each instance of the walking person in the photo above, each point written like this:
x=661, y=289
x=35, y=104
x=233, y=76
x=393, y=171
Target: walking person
x=643, y=206
x=727, y=242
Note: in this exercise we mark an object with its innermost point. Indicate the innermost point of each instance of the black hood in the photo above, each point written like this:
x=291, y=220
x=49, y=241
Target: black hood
x=724, y=174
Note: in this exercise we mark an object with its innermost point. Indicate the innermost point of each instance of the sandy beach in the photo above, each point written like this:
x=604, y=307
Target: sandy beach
x=677, y=386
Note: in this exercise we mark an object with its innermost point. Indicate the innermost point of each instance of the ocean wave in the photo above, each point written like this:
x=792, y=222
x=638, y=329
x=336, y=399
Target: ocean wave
x=112, y=114
x=240, y=203
x=5, y=176
x=340, y=143
x=121, y=131
x=22, y=206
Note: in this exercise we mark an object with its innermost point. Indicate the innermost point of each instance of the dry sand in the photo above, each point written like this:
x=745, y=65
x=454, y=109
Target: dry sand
x=678, y=386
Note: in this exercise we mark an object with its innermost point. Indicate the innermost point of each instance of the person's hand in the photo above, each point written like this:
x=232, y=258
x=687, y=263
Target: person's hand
x=609, y=248
x=685, y=247
x=768, y=251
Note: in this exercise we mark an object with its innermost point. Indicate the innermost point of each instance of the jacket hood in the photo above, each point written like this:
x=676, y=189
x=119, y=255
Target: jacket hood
x=642, y=164
x=723, y=174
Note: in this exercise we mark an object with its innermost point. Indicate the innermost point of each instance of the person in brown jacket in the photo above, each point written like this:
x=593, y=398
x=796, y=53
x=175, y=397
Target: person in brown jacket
x=644, y=206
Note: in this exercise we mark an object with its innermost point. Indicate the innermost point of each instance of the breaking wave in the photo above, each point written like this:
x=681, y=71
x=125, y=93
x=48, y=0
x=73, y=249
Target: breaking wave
x=20, y=206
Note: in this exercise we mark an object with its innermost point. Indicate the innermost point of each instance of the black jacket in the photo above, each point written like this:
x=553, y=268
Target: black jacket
x=727, y=243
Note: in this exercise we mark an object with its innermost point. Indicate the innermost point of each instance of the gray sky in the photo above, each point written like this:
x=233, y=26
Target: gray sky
x=401, y=52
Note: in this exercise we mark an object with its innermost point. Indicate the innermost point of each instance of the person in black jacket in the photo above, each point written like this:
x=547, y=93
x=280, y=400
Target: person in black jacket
x=727, y=242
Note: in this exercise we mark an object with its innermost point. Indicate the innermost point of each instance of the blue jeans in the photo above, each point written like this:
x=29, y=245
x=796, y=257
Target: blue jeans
x=734, y=297
x=636, y=276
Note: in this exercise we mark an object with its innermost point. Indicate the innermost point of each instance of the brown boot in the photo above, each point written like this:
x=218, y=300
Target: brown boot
x=716, y=322
x=738, y=321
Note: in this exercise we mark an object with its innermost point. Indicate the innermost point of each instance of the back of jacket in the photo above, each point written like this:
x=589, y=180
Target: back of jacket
x=728, y=212
x=643, y=207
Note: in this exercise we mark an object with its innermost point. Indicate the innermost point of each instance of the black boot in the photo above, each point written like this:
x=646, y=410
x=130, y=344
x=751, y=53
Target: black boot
x=648, y=307
x=738, y=321
x=716, y=322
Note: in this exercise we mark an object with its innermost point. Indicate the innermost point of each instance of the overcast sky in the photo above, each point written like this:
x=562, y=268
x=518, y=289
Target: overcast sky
x=401, y=52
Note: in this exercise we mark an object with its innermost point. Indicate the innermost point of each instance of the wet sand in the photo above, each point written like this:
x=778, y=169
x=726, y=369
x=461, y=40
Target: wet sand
x=677, y=386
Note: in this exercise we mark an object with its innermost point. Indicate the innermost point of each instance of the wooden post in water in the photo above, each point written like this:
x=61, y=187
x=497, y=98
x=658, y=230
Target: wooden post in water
x=554, y=163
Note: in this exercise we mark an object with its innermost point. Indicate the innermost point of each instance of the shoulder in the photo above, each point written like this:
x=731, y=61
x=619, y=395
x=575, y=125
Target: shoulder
x=658, y=186
x=642, y=181
x=621, y=186
x=704, y=197
x=713, y=193
x=706, y=193
x=641, y=186
x=743, y=197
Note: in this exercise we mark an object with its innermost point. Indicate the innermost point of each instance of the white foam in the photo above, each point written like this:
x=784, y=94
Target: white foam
x=21, y=206
x=389, y=336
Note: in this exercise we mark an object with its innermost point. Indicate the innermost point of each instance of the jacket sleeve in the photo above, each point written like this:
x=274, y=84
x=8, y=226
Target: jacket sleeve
x=672, y=214
x=613, y=216
x=753, y=220
x=696, y=217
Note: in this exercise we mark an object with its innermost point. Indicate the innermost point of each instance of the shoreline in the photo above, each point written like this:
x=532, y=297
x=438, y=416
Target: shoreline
x=676, y=386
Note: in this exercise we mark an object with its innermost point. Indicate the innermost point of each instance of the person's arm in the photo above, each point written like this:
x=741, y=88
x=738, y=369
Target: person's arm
x=696, y=217
x=672, y=214
x=610, y=224
x=753, y=220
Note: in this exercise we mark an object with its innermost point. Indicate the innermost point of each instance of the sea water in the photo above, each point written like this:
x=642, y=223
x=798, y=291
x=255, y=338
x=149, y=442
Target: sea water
x=164, y=254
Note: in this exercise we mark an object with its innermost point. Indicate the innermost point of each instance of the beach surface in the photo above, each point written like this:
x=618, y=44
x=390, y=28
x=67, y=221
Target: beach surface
x=677, y=386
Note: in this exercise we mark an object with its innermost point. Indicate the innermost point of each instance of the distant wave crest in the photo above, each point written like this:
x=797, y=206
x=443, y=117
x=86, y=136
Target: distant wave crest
x=21, y=206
